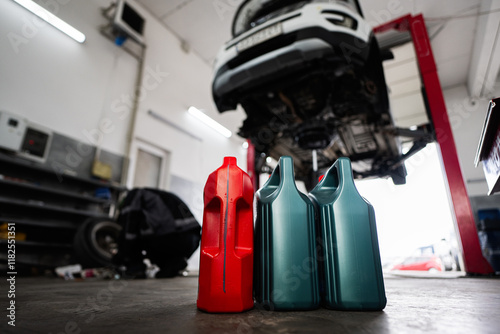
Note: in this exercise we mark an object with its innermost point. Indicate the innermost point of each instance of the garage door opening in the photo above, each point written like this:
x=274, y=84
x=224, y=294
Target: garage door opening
x=415, y=220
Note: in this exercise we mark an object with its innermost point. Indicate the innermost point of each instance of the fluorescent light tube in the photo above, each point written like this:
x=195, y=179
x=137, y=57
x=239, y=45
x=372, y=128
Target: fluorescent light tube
x=210, y=122
x=52, y=19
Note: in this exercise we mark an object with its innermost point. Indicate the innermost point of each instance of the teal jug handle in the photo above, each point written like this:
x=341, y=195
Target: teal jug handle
x=339, y=175
x=275, y=178
x=282, y=175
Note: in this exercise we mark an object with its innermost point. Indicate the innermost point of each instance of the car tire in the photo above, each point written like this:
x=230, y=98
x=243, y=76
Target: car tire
x=96, y=242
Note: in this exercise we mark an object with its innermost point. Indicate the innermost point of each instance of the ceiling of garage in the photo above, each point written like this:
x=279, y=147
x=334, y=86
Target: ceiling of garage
x=205, y=26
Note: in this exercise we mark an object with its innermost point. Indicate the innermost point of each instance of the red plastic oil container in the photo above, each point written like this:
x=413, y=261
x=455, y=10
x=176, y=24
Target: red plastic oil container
x=226, y=257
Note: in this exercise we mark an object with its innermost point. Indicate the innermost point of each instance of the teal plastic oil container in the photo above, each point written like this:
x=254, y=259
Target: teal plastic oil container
x=348, y=252
x=285, y=267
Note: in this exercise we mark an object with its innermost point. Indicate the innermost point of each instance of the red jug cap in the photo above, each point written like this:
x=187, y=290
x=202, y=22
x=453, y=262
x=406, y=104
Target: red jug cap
x=229, y=161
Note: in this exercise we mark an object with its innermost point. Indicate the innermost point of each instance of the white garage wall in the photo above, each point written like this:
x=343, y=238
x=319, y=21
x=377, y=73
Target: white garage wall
x=185, y=81
x=76, y=89
x=54, y=81
x=466, y=119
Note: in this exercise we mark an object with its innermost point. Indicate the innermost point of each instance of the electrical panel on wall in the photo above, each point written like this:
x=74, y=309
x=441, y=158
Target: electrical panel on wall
x=12, y=130
x=24, y=138
x=36, y=143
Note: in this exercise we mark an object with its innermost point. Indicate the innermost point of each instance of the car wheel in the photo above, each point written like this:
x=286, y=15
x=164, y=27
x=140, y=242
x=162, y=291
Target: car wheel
x=96, y=242
x=433, y=270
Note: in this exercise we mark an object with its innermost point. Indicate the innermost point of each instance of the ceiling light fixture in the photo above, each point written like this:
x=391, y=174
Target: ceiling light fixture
x=200, y=115
x=52, y=19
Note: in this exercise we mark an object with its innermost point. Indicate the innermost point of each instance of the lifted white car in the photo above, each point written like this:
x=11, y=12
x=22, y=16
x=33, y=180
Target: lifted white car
x=309, y=76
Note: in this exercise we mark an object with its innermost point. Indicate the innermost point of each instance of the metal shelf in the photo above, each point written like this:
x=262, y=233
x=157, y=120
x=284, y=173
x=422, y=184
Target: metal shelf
x=20, y=243
x=50, y=207
x=41, y=223
x=6, y=159
x=53, y=191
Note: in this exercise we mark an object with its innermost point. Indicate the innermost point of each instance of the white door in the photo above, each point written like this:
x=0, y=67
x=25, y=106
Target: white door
x=149, y=166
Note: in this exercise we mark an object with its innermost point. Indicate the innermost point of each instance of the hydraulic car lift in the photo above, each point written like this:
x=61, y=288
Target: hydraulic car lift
x=474, y=261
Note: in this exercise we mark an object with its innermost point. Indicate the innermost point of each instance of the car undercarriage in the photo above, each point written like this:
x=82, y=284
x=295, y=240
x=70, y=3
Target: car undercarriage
x=317, y=95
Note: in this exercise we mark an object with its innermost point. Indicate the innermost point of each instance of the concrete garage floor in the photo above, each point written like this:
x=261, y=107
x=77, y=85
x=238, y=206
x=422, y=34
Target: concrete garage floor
x=415, y=305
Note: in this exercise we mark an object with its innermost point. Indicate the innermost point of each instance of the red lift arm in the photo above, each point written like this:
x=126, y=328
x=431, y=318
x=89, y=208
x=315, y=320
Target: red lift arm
x=474, y=261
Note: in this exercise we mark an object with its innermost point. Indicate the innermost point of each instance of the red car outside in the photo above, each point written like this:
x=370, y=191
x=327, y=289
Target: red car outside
x=421, y=263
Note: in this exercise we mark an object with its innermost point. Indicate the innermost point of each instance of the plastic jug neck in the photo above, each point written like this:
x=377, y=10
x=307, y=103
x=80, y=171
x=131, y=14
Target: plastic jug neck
x=286, y=171
x=345, y=170
x=229, y=161
x=286, y=165
x=342, y=171
x=283, y=172
x=339, y=175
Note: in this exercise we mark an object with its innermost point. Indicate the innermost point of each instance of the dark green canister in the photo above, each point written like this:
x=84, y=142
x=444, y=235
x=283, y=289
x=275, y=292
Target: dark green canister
x=348, y=252
x=285, y=267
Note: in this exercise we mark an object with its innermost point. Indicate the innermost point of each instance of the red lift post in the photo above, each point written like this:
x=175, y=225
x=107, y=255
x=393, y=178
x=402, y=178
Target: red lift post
x=474, y=261
x=251, y=168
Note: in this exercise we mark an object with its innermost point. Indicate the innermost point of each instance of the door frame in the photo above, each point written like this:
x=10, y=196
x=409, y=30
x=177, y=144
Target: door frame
x=163, y=154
